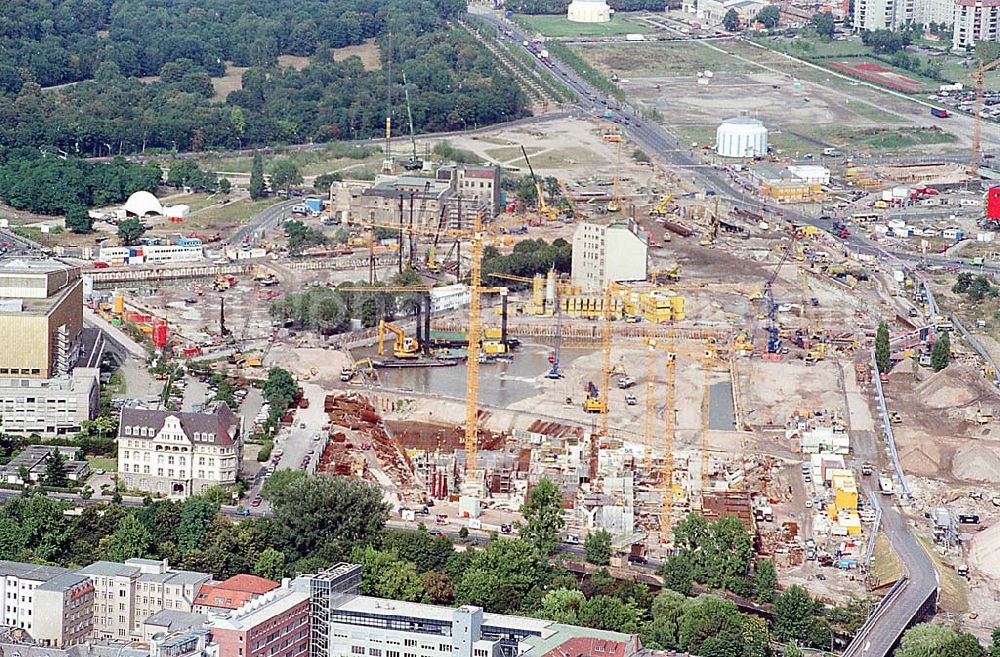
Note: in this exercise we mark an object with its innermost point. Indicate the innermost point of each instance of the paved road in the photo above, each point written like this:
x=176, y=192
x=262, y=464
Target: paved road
x=264, y=221
x=655, y=140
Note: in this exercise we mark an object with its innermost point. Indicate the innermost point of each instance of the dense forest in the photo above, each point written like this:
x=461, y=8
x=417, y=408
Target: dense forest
x=559, y=6
x=104, y=45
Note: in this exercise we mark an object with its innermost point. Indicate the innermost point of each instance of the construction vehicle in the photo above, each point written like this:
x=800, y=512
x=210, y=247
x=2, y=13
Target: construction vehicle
x=350, y=371
x=983, y=417
x=631, y=400
x=977, y=112
x=671, y=275
x=816, y=354
x=403, y=347
x=895, y=418
x=594, y=403
x=663, y=208
x=625, y=382
x=414, y=162
x=544, y=210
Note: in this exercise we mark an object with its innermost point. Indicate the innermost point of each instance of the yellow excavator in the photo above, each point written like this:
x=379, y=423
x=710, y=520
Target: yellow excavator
x=403, y=347
x=816, y=354
x=594, y=403
x=545, y=211
x=663, y=208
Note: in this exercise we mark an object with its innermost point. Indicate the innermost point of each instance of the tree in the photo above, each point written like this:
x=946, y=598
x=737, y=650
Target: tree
x=792, y=651
x=995, y=643
x=385, y=576
x=257, y=189
x=130, y=230
x=731, y=21
x=270, y=564
x=941, y=352
x=793, y=615
x=285, y=174
x=196, y=514
x=662, y=631
x=765, y=580
x=315, y=511
x=55, y=470
x=677, y=572
x=562, y=606
x=280, y=388
x=24, y=474
x=225, y=186
x=426, y=552
x=597, y=548
x=129, y=540
x=882, y=348
x=506, y=576
x=931, y=640
x=543, y=520
x=604, y=612
x=439, y=588
x=79, y=221
x=823, y=23
x=769, y=16
x=987, y=51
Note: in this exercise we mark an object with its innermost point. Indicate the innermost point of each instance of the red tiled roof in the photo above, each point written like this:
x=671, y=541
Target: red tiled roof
x=588, y=647
x=234, y=592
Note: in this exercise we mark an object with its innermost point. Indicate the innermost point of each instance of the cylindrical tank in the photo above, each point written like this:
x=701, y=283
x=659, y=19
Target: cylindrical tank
x=550, y=290
x=119, y=304
x=741, y=136
x=538, y=291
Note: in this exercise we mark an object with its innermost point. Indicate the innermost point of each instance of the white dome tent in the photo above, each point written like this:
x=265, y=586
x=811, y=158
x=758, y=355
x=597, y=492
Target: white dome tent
x=589, y=11
x=142, y=203
x=741, y=136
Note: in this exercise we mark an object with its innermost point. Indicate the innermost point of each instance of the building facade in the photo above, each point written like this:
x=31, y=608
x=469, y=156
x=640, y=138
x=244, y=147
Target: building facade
x=35, y=459
x=129, y=593
x=41, y=318
x=975, y=20
x=602, y=254
x=64, y=611
x=178, y=454
x=275, y=624
x=18, y=582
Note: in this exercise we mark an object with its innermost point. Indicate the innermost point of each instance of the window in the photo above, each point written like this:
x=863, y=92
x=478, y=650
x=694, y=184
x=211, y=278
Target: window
x=357, y=650
x=375, y=652
x=410, y=643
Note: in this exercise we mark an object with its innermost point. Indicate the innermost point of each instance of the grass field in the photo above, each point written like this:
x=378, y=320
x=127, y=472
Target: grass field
x=887, y=567
x=560, y=26
x=367, y=52
x=661, y=59
x=311, y=163
x=231, y=81
x=954, y=590
x=887, y=139
x=100, y=463
x=508, y=153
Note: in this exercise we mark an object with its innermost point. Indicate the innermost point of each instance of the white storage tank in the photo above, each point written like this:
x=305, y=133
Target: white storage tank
x=741, y=136
x=589, y=11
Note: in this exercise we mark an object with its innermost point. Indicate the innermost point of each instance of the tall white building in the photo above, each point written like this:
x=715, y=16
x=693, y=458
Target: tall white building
x=892, y=14
x=975, y=20
x=602, y=254
x=179, y=454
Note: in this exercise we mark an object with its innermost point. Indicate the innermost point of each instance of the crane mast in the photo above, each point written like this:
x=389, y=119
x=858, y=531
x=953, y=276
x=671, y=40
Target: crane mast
x=472, y=359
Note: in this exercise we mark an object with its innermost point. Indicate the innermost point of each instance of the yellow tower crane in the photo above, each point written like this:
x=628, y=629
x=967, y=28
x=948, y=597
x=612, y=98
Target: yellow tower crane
x=666, y=483
x=472, y=360
x=977, y=114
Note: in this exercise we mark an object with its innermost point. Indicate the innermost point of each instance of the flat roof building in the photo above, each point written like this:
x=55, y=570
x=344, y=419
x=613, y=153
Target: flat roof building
x=602, y=254
x=231, y=594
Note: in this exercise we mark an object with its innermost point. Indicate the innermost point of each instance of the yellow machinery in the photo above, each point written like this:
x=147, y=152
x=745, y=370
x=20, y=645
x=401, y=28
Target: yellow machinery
x=671, y=275
x=596, y=403
x=472, y=363
x=977, y=114
x=544, y=210
x=663, y=208
x=403, y=347
x=816, y=354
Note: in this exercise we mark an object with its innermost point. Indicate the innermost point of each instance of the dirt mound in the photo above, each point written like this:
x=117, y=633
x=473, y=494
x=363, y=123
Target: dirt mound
x=985, y=552
x=953, y=386
x=977, y=463
x=922, y=461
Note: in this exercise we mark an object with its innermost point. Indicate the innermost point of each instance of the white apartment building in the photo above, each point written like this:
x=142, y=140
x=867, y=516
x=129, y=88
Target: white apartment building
x=602, y=254
x=891, y=14
x=127, y=594
x=18, y=582
x=975, y=20
x=179, y=454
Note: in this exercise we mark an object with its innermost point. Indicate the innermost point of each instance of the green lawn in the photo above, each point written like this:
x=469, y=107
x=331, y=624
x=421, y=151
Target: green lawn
x=662, y=59
x=560, y=26
x=100, y=463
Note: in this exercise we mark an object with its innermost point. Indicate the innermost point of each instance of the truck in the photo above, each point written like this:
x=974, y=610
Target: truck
x=625, y=382
x=939, y=112
x=866, y=468
x=885, y=485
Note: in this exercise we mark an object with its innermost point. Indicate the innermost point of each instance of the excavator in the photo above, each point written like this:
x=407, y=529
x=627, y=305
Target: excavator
x=671, y=275
x=817, y=353
x=594, y=403
x=663, y=208
x=403, y=347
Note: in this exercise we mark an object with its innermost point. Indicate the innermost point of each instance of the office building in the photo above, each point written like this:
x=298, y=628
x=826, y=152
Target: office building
x=18, y=582
x=127, y=594
x=345, y=624
x=276, y=624
x=231, y=594
x=602, y=254
x=63, y=610
x=177, y=454
x=476, y=185
x=171, y=622
x=41, y=318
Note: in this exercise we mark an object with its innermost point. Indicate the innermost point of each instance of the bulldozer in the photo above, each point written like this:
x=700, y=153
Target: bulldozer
x=403, y=347
x=817, y=354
